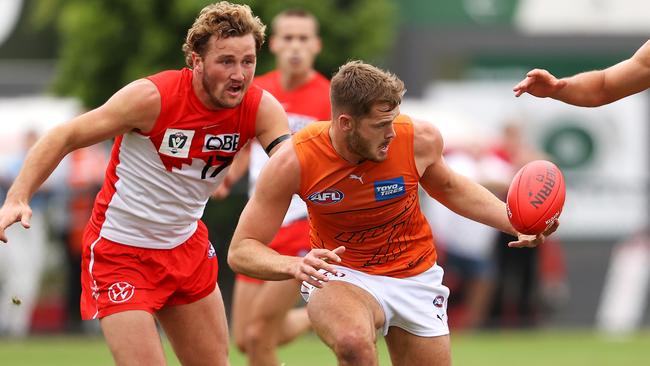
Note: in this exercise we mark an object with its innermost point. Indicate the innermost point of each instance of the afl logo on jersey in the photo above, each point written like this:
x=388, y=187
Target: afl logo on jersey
x=176, y=143
x=326, y=197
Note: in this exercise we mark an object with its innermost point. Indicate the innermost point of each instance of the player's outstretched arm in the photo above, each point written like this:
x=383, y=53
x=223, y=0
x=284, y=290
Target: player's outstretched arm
x=460, y=194
x=592, y=88
x=260, y=220
x=136, y=106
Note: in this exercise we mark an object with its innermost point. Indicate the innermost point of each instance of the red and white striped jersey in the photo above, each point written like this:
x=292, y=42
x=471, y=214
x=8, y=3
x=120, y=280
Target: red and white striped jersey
x=157, y=184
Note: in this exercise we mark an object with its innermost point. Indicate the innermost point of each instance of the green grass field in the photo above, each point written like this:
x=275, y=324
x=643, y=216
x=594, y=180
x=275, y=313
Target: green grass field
x=542, y=348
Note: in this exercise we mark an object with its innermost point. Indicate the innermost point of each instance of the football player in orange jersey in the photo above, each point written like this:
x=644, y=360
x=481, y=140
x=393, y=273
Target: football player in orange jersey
x=263, y=313
x=373, y=262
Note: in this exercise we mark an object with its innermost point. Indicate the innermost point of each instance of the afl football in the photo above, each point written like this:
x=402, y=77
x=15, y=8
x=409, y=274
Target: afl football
x=535, y=197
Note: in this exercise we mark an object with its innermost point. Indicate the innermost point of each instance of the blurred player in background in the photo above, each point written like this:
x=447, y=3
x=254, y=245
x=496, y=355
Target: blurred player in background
x=146, y=254
x=22, y=264
x=592, y=88
x=359, y=175
x=262, y=314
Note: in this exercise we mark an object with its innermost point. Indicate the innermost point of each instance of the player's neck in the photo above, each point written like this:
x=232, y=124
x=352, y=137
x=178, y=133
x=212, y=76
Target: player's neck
x=290, y=81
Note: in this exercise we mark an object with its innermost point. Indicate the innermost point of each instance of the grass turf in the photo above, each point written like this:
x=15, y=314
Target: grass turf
x=545, y=348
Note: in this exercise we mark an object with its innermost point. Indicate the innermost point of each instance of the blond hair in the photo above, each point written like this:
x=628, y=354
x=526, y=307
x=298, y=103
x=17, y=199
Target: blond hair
x=224, y=20
x=357, y=87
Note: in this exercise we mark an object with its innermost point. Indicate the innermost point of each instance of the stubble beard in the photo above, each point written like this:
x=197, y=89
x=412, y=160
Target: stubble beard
x=220, y=102
x=361, y=147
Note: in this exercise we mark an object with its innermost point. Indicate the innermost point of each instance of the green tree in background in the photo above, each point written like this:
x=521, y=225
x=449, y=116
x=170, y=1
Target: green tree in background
x=105, y=44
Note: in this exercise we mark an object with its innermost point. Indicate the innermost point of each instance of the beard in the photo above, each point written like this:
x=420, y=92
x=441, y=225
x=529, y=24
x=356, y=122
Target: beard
x=220, y=102
x=362, y=147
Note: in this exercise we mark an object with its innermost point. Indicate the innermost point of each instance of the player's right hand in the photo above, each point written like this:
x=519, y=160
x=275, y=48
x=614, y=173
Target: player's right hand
x=11, y=213
x=308, y=269
x=539, y=83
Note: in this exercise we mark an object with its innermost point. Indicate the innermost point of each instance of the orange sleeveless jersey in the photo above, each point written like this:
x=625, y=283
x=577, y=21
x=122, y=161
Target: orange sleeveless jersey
x=371, y=208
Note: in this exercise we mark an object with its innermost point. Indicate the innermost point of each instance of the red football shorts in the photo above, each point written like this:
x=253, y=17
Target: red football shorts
x=292, y=239
x=117, y=277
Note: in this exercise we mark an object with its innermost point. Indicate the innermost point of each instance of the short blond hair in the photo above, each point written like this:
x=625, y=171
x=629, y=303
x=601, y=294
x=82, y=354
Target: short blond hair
x=297, y=13
x=225, y=20
x=357, y=87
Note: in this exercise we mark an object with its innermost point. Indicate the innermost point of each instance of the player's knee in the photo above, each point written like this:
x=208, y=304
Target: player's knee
x=352, y=347
x=257, y=332
x=240, y=343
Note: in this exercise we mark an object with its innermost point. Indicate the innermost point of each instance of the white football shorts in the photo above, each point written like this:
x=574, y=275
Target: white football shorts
x=416, y=304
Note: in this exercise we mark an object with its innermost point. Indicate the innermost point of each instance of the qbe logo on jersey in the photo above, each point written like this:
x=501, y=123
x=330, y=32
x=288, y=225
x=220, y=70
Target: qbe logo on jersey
x=227, y=142
x=389, y=189
x=176, y=143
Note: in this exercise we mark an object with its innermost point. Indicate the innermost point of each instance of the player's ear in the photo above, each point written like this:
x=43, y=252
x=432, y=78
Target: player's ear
x=345, y=121
x=272, y=44
x=318, y=45
x=197, y=62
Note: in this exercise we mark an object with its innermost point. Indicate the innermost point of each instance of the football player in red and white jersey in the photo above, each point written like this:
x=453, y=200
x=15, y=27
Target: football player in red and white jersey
x=262, y=314
x=592, y=88
x=146, y=254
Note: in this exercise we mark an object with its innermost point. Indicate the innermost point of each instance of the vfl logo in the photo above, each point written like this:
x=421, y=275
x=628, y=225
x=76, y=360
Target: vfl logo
x=390, y=188
x=176, y=143
x=120, y=292
x=225, y=142
x=327, y=197
x=357, y=177
x=439, y=301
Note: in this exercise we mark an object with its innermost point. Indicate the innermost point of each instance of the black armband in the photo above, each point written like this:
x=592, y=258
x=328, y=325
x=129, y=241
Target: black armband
x=275, y=142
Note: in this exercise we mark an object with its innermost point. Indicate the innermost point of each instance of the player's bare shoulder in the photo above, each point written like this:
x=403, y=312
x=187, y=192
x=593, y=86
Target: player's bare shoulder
x=138, y=104
x=427, y=143
x=282, y=171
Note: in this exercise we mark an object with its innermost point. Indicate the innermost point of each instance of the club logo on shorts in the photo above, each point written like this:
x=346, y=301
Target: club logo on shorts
x=120, y=292
x=211, y=252
x=439, y=301
x=176, y=143
x=326, y=197
x=389, y=189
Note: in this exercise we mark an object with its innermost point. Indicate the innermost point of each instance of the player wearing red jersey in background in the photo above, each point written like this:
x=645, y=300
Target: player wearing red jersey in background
x=592, y=88
x=359, y=176
x=262, y=314
x=146, y=254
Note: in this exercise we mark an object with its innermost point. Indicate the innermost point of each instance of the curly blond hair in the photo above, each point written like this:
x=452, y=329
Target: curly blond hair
x=224, y=20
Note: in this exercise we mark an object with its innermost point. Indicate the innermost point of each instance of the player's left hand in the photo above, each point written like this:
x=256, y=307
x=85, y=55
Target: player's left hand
x=531, y=241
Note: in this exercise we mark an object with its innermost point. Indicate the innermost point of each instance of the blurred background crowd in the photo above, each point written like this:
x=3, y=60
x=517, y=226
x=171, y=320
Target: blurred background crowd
x=459, y=60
